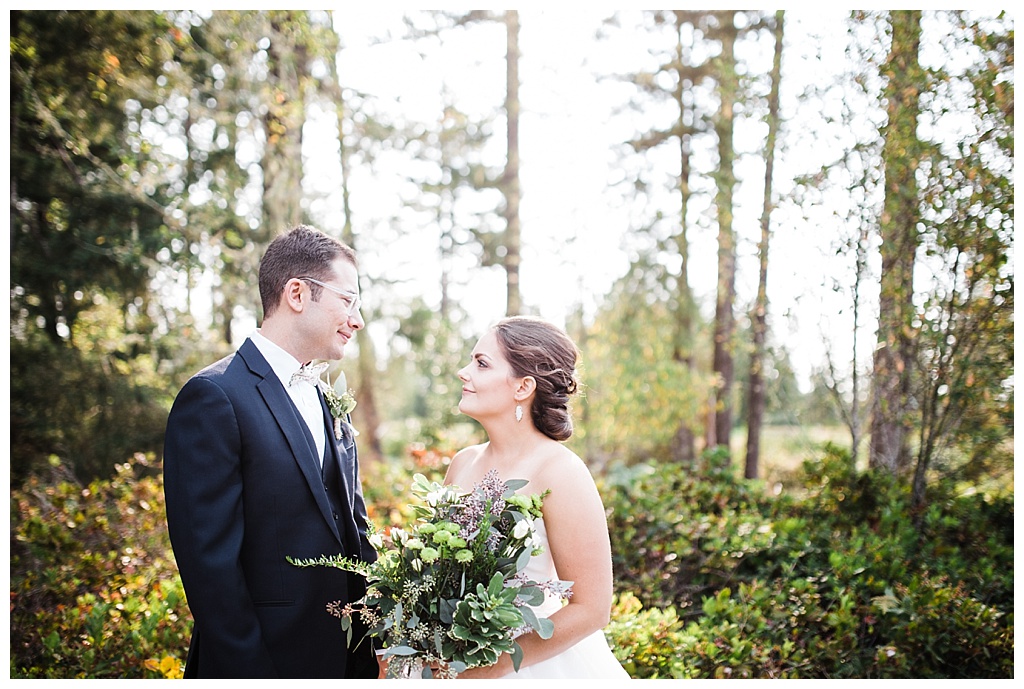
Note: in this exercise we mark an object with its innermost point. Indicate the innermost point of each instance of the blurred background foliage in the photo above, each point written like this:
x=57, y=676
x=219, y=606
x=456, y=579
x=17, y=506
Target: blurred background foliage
x=863, y=529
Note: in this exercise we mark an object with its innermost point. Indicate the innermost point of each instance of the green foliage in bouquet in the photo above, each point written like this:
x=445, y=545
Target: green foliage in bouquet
x=483, y=619
x=452, y=592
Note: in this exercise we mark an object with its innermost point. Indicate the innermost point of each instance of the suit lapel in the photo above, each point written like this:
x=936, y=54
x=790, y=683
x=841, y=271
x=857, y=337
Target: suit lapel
x=294, y=429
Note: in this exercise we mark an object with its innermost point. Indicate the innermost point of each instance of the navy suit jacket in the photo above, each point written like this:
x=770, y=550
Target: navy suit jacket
x=244, y=491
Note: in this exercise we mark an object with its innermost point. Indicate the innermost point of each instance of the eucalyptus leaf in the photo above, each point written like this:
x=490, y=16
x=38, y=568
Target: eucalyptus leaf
x=543, y=626
x=531, y=595
x=523, y=560
x=447, y=610
x=547, y=628
x=400, y=651
x=513, y=485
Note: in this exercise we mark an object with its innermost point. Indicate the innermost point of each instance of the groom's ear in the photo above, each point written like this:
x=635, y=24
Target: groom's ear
x=292, y=295
x=527, y=386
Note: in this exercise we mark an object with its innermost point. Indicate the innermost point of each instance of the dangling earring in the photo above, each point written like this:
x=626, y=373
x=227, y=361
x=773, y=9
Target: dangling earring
x=519, y=413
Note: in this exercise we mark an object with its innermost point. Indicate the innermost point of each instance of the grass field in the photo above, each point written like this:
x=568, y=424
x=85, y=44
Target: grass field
x=785, y=448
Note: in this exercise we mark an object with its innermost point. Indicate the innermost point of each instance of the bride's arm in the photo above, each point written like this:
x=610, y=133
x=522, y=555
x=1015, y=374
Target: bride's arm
x=578, y=538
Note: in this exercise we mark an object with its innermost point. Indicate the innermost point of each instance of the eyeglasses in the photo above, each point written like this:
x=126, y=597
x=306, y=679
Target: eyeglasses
x=350, y=298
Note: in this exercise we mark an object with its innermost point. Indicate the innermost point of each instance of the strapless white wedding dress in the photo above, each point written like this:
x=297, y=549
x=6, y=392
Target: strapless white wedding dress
x=591, y=658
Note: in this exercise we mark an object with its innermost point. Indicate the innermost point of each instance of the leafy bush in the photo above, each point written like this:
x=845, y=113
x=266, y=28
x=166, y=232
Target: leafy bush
x=94, y=589
x=646, y=642
x=676, y=534
x=843, y=580
x=937, y=630
x=837, y=578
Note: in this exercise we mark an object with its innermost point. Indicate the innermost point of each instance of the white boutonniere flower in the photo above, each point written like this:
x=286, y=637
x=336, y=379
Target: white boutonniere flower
x=339, y=404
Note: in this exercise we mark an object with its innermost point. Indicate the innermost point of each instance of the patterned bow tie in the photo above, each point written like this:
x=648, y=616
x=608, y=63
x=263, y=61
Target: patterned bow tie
x=309, y=374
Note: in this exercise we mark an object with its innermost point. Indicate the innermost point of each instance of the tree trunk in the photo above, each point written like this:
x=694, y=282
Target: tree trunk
x=725, y=181
x=370, y=449
x=755, y=408
x=366, y=409
x=282, y=124
x=281, y=162
x=510, y=181
x=893, y=362
x=856, y=421
x=683, y=449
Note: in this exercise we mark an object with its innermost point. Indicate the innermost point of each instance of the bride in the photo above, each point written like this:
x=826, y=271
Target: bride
x=517, y=386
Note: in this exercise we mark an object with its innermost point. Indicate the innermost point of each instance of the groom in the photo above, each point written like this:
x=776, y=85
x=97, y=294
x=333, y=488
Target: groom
x=255, y=472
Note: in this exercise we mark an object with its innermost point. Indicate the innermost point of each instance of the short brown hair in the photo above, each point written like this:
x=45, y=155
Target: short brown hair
x=304, y=251
x=534, y=347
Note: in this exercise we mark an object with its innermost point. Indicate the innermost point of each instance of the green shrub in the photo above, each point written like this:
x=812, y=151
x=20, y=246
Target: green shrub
x=714, y=576
x=646, y=642
x=937, y=630
x=94, y=589
x=840, y=580
x=677, y=534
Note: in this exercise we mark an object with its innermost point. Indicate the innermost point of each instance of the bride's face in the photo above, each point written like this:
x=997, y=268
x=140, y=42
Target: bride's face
x=488, y=386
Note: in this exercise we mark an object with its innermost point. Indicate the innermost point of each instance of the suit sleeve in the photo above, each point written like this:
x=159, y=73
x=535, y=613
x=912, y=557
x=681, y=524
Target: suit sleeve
x=203, y=488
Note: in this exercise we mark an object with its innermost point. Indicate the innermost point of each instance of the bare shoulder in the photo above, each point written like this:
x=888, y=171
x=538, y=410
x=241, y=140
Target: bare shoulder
x=462, y=464
x=565, y=472
x=573, y=504
x=566, y=460
x=468, y=454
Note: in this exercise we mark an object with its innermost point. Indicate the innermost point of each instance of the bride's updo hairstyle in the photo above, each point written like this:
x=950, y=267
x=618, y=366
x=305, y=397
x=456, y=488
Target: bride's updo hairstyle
x=536, y=348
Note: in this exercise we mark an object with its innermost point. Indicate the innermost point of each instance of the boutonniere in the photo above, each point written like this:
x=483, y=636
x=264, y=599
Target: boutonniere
x=340, y=405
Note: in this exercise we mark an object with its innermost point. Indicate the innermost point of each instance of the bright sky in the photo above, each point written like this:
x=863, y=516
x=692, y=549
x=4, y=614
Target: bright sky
x=575, y=231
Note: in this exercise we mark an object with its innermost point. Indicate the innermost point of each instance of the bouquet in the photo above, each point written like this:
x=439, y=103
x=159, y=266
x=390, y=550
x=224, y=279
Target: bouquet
x=451, y=592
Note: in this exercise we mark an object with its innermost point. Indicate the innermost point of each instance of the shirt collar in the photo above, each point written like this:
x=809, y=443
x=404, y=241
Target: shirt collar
x=283, y=363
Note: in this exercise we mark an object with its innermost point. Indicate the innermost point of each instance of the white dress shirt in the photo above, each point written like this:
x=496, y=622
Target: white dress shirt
x=303, y=394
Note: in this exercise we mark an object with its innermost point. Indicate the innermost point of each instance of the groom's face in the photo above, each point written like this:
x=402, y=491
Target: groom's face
x=330, y=322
